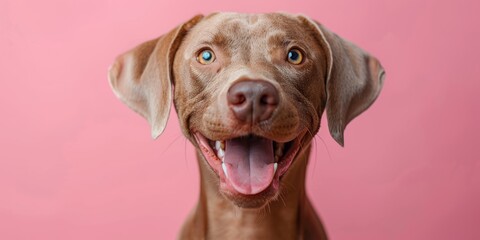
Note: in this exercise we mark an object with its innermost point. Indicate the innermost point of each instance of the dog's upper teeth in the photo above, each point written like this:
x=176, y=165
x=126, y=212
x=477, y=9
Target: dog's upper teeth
x=220, y=145
x=220, y=149
x=220, y=153
x=279, y=151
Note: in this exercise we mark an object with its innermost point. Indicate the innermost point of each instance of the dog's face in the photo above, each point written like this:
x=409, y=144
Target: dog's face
x=249, y=91
x=230, y=56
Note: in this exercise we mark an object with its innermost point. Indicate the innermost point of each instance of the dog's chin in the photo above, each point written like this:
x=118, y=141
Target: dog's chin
x=249, y=167
x=256, y=201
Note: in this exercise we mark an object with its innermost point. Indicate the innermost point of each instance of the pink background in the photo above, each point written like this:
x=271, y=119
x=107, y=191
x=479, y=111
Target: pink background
x=77, y=164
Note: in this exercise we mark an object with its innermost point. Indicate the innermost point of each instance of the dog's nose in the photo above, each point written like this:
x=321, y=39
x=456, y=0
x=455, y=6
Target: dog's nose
x=252, y=100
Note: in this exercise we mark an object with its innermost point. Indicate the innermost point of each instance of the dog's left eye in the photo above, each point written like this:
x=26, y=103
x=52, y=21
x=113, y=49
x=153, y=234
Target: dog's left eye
x=295, y=56
x=206, y=57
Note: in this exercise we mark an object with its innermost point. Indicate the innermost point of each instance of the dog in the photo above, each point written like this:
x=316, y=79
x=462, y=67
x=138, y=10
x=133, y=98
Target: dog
x=249, y=90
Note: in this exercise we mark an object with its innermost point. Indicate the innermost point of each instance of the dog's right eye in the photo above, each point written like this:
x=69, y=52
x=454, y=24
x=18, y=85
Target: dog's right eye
x=206, y=57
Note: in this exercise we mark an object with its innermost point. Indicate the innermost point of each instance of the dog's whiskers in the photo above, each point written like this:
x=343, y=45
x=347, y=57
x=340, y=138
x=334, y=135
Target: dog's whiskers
x=326, y=148
x=281, y=197
x=170, y=144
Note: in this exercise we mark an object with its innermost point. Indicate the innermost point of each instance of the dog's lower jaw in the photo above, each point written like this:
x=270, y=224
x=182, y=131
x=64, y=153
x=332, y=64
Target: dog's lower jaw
x=217, y=217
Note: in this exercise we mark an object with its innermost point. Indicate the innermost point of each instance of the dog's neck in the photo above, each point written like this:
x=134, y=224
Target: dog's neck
x=218, y=218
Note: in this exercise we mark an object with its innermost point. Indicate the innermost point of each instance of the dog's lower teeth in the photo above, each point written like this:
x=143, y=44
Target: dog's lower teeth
x=224, y=167
x=275, y=165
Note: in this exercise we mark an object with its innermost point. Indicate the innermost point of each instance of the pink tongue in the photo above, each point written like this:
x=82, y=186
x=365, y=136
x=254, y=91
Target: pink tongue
x=249, y=162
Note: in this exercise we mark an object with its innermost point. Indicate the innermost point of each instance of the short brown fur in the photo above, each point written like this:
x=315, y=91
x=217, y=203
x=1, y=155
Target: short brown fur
x=335, y=75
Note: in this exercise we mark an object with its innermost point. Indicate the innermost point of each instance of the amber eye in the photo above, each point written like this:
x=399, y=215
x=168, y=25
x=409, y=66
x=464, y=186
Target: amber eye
x=206, y=57
x=295, y=56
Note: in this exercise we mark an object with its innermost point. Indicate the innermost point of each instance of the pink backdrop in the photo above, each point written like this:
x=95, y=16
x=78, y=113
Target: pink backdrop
x=77, y=164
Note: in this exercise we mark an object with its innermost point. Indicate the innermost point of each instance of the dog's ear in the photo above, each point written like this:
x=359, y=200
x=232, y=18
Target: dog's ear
x=142, y=77
x=353, y=79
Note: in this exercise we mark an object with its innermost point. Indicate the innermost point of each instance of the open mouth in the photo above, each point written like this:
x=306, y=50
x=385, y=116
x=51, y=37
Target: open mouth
x=249, y=164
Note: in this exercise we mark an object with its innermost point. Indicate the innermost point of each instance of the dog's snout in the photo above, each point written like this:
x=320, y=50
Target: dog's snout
x=252, y=100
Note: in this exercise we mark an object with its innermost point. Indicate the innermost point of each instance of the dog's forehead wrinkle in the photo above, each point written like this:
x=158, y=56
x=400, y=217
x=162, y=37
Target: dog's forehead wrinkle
x=276, y=35
x=243, y=26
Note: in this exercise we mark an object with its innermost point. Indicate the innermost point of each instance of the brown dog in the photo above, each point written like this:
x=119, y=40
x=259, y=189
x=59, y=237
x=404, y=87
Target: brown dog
x=249, y=90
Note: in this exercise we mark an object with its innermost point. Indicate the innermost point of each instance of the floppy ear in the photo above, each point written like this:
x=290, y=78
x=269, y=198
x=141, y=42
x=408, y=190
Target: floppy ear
x=142, y=77
x=353, y=80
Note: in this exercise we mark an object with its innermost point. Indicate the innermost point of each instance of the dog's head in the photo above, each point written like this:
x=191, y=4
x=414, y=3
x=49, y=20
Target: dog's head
x=249, y=90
